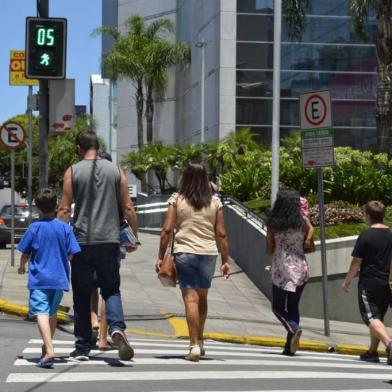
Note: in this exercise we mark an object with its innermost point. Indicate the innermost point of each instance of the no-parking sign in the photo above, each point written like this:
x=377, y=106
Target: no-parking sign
x=12, y=135
x=315, y=110
x=317, y=133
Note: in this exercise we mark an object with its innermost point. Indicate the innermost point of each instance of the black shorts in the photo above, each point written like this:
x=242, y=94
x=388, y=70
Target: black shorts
x=373, y=301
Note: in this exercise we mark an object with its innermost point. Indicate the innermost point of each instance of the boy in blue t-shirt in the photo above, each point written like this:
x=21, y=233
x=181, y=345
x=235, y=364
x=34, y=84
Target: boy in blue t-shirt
x=47, y=245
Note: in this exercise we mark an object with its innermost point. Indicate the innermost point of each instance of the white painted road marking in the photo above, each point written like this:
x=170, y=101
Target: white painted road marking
x=190, y=375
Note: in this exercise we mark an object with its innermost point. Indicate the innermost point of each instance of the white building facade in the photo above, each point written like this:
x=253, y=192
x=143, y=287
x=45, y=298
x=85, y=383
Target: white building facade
x=177, y=116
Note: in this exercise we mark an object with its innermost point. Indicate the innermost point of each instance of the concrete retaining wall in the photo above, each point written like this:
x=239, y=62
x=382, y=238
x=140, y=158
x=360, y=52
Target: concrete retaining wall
x=248, y=248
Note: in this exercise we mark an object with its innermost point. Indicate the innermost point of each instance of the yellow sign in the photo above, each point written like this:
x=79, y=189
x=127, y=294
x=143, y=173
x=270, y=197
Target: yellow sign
x=17, y=70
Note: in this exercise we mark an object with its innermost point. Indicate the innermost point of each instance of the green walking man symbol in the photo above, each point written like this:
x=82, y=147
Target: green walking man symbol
x=45, y=59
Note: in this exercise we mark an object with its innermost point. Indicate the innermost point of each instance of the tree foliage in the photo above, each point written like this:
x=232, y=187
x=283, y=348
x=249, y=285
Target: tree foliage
x=244, y=169
x=61, y=154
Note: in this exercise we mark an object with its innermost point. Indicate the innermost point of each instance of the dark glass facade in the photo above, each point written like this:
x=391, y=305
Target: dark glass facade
x=329, y=57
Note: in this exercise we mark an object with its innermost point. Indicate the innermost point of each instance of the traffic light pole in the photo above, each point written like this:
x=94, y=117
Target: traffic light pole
x=43, y=12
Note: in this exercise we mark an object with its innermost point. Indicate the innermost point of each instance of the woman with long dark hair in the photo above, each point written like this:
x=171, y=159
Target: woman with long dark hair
x=197, y=217
x=288, y=235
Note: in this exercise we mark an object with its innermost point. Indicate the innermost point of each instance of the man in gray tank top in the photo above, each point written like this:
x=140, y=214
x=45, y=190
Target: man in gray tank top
x=100, y=191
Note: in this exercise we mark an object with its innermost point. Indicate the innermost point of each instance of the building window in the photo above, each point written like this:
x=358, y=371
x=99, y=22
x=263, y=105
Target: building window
x=329, y=57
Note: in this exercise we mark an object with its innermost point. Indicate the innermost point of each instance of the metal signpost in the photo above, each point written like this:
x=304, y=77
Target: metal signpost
x=17, y=78
x=317, y=142
x=12, y=136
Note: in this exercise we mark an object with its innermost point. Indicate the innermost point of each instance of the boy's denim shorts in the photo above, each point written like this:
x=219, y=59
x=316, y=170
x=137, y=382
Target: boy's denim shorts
x=195, y=271
x=44, y=301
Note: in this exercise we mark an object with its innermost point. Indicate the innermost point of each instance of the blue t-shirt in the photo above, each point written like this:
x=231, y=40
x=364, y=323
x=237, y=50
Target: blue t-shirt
x=49, y=242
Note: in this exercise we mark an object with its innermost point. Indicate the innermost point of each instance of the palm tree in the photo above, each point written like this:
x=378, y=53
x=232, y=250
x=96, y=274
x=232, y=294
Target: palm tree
x=295, y=13
x=360, y=11
x=125, y=60
x=144, y=55
x=160, y=55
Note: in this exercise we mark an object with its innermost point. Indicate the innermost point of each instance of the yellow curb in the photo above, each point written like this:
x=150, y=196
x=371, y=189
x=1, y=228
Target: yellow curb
x=180, y=326
x=355, y=350
x=222, y=337
x=23, y=311
x=152, y=334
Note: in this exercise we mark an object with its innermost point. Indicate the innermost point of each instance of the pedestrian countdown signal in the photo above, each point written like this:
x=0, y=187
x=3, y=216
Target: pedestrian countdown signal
x=46, y=43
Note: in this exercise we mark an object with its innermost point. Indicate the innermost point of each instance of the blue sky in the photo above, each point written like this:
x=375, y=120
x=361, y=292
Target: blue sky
x=83, y=53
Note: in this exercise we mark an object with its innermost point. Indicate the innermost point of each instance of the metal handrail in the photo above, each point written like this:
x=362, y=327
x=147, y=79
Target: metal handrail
x=226, y=200
x=249, y=214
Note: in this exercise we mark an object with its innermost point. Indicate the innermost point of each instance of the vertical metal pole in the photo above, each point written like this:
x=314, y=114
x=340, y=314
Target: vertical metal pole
x=276, y=99
x=202, y=125
x=43, y=11
x=110, y=115
x=323, y=249
x=30, y=155
x=12, y=208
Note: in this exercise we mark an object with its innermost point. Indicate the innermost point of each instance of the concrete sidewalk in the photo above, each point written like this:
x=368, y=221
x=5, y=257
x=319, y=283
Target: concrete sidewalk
x=237, y=309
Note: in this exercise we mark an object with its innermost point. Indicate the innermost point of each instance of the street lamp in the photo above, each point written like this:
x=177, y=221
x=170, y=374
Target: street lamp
x=276, y=100
x=202, y=45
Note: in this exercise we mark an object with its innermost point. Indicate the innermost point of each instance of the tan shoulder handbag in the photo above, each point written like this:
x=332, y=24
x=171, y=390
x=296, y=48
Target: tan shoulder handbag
x=167, y=272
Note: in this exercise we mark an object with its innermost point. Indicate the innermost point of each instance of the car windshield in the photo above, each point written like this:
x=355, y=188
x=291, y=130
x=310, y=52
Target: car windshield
x=20, y=211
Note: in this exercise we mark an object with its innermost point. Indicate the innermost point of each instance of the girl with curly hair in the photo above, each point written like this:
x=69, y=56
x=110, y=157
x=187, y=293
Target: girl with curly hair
x=288, y=235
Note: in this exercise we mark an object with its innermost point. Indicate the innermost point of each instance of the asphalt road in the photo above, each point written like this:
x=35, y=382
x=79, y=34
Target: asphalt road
x=159, y=366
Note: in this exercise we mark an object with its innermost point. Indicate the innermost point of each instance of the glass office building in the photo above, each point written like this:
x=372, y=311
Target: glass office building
x=329, y=57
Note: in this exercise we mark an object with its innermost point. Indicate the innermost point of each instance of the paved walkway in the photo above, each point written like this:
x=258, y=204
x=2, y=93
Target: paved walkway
x=236, y=306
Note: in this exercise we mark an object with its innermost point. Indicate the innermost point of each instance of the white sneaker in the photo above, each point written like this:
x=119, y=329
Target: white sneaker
x=194, y=353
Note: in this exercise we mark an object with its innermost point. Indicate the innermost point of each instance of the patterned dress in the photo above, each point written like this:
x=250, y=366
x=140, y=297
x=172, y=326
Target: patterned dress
x=289, y=266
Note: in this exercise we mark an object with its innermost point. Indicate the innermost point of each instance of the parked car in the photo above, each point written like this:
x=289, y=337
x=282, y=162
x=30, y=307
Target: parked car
x=21, y=222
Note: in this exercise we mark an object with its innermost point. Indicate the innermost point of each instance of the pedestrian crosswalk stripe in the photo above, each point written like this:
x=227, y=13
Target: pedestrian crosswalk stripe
x=208, y=344
x=189, y=375
x=169, y=351
x=287, y=362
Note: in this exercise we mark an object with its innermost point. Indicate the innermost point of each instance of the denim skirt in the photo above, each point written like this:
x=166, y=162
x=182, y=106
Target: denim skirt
x=195, y=271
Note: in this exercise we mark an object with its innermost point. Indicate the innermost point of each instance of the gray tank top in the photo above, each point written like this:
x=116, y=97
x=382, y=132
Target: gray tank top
x=96, y=190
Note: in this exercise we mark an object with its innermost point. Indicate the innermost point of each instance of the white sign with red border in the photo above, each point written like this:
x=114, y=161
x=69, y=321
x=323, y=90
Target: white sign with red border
x=12, y=135
x=315, y=110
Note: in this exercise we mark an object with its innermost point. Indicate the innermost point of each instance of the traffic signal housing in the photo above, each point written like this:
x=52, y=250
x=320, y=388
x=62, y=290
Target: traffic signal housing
x=46, y=47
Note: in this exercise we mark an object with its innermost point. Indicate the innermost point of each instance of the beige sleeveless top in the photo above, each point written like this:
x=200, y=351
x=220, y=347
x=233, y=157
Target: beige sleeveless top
x=195, y=230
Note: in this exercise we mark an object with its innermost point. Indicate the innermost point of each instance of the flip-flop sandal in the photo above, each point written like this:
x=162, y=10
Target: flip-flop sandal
x=109, y=347
x=46, y=364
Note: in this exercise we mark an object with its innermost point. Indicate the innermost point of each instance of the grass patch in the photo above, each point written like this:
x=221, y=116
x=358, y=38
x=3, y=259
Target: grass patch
x=341, y=230
x=260, y=207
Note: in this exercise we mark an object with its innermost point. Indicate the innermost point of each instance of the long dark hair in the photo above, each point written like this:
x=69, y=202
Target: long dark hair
x=286, y=212
x=195, y=186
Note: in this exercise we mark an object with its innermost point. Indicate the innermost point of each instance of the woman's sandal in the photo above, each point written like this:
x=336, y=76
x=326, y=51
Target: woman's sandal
x=109, y=347
x=194, y=353
x=46, y=363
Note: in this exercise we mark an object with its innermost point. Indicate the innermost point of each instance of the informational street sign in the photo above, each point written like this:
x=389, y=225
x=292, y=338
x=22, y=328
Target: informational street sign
x=61, y=105
x=12, y=135
x=17, y=70
x=317, y=133
x=317, y=147
x=315, y=110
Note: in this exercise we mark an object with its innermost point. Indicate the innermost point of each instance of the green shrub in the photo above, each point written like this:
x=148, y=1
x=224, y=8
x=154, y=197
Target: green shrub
x=245, y=177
